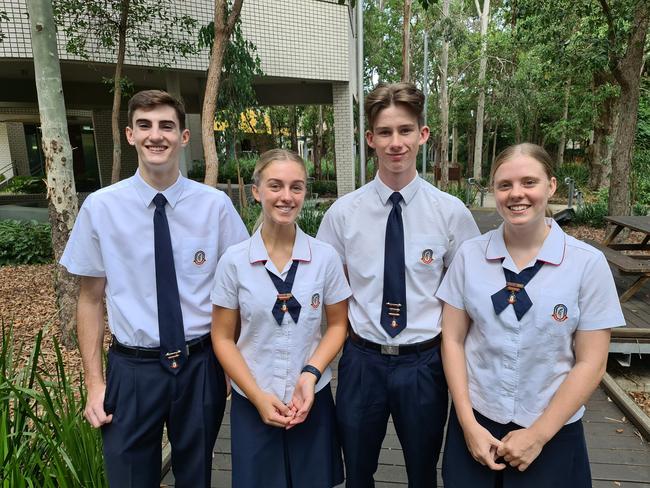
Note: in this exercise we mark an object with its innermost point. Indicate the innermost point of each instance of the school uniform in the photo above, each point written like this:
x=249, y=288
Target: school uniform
x=397, y=372
x=113, y=237
x=516, y=364
x=309, y=453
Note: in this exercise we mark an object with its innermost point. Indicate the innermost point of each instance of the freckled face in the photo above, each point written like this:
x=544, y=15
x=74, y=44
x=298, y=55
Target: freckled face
x=522, y=190
x=281, y=191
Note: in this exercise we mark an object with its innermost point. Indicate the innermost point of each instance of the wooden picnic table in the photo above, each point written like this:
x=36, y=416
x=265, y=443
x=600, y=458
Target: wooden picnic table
x=631, y=264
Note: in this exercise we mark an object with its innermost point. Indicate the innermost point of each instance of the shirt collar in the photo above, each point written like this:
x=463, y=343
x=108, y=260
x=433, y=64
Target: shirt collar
x=408, y=192
x=301, y=249
x=552, y=251
x=147, y=192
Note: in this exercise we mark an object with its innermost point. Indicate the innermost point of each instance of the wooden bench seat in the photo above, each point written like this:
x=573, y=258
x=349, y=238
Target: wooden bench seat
x=626, y=264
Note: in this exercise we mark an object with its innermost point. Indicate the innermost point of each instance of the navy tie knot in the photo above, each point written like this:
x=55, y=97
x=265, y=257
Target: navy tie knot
x=395, y=198
x=159, y=200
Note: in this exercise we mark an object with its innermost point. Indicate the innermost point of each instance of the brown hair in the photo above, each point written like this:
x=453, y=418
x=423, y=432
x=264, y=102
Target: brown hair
x=538, y=153
x=150, y=99
x=384, y=95
x=275, y=155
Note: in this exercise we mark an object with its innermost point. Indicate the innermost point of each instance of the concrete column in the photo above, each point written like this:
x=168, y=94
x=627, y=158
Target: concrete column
x=195, y=147
x=18, y=147
x=6, y=165
x=343, y=137
x=173, y=87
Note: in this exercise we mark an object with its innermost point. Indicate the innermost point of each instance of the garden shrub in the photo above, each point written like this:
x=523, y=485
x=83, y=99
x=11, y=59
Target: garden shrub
x=324, y=188
x=25, y=184
x=594, y=213
x=23, y=242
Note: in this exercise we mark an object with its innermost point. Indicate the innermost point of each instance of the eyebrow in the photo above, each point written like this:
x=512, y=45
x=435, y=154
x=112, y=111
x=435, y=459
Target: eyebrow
x=278, y=180
x=160, y=122
x=403, y=126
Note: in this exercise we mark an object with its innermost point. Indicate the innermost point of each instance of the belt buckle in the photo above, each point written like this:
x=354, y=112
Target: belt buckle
x=390, y=349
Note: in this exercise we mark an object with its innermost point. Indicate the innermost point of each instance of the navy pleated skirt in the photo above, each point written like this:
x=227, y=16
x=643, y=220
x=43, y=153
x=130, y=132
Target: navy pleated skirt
x=307, y=455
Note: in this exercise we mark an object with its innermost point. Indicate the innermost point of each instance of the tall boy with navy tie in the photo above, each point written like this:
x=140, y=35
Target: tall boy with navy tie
x=395, y=235
x=150, y=245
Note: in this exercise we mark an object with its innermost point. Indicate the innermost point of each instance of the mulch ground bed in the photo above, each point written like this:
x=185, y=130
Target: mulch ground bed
x=28, y=305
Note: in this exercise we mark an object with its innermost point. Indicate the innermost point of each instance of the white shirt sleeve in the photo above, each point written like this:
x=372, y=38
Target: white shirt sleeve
x=82, y=255
x=225, y=291
x=336, y=286
x=452, y=287
x=461, y=228
x=331, y=231
x=231, y=228
x=598, y=301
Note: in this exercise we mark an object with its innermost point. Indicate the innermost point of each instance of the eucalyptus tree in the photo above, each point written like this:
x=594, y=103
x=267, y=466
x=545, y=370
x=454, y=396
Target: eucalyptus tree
x=61, y=192
x=148, y=29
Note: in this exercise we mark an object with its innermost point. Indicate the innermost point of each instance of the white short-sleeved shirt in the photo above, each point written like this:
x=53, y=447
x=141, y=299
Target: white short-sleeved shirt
x=113, y=238
x=435, y=223
x=274, y=353
x=514, y=368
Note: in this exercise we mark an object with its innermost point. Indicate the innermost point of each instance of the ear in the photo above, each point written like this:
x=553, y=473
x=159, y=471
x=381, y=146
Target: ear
x=185, y=137
x=256, y=193
x=424, y=134
x=369, y=139
x=552, y=187
x=129, y=135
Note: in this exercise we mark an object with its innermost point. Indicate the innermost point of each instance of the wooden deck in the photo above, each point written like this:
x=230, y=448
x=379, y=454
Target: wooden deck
x=619, y=456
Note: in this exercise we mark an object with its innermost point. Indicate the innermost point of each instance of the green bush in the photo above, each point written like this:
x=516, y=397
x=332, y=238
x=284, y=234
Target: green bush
x=24, y=242
x=324, y=188
x=196, y=171
x=25, y=184
x=579, y=173
x=44, y=440
x=228, y=170
x=593, y=214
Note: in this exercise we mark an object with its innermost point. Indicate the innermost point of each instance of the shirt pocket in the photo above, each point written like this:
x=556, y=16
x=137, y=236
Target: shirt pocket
x=424, y=255
x=199, y=255
x=310, y=297
x=556, y=315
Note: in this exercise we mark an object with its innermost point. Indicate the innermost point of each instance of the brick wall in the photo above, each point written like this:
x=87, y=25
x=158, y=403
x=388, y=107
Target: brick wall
x=104, y=147
x=343, y=138
x=18, y=147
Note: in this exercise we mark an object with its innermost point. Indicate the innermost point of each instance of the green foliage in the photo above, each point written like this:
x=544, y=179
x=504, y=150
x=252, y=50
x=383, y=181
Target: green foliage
x=44, y=440
x=228, y=170
x=579, y=173
x=100, y=21
x=324, y=188
x=25, y=184
x=458, y=191
x=24, y=242
x=593, y=213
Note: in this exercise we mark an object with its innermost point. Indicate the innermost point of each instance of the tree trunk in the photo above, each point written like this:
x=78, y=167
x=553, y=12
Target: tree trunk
x=224, y=23
x=61, y=190
x=406, y=42
x=444, y=104
x=480, y=108
x=470, y=152
x=600, y=151
x=627, y=71
x=318, y=146
x=117, y=93
x=494, y=142
x=293, y=120
x=454, y=146
x=565, y=118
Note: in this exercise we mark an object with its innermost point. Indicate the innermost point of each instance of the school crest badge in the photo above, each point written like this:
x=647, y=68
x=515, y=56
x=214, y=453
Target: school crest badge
x=560, y=313
x=199, y=258
x=315, y=300
x=427, y=256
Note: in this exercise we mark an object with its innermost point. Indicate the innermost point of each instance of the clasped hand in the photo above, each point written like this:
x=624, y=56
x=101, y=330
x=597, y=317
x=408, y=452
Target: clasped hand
x=274, y=412
x=519, y=448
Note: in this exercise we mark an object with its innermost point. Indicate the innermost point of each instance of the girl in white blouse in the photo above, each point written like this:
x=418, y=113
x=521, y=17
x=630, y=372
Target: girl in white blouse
x=268, y=296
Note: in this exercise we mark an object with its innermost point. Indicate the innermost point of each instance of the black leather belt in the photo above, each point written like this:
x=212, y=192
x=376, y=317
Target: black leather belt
x=396, y=349
x=192, y=347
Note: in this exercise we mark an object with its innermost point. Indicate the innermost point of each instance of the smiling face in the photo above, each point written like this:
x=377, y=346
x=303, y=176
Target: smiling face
x=396, y=137
x=158, y=140
x=522, y=189
x=281, y=191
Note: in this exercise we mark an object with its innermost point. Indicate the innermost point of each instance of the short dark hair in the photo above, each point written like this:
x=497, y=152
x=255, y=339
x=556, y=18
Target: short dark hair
x=386, y=94
x=149, y=99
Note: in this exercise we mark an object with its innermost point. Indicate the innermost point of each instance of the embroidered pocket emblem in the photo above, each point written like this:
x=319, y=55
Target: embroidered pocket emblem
x=560, y=313
x=199, y=258
x=315, y=300
x=427, y=256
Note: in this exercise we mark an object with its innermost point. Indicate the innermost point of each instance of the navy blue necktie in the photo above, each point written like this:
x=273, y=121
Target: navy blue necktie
x=170, y=316
x=514, y=293
x=286, y=302
x=393, y=309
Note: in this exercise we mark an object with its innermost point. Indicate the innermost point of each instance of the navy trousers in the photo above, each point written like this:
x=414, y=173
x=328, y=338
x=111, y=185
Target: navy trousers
x=563, y=462
x=143, y=397
x=305, y=456
x=412, y=389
